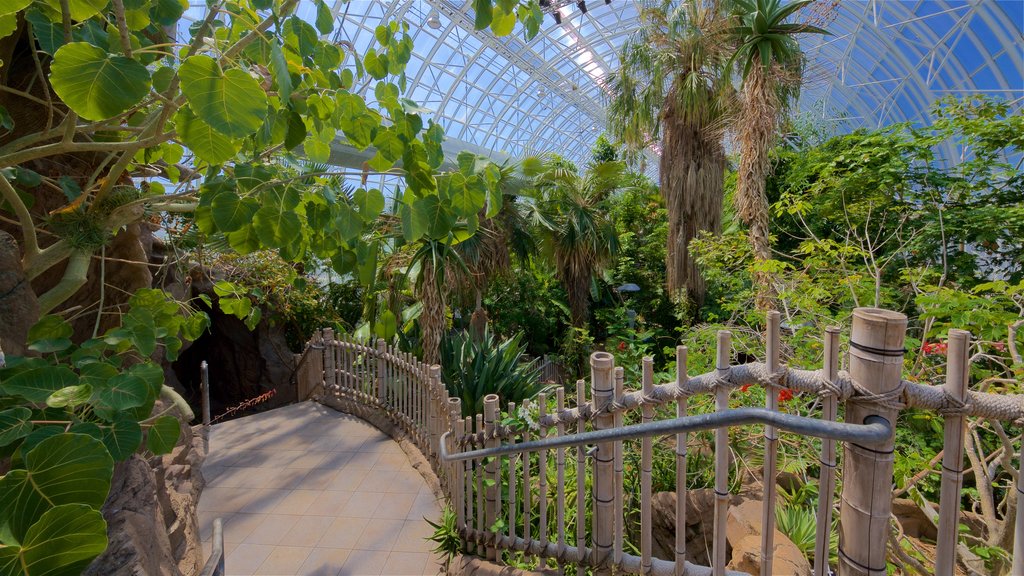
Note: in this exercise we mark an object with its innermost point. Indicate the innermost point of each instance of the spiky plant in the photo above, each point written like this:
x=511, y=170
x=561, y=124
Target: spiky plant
x=671, y=90
x=772, y=66
x=578, y=233
x=475, y=367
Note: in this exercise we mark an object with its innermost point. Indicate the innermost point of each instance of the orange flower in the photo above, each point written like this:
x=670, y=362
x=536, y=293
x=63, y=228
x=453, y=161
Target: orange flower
x=785, y=394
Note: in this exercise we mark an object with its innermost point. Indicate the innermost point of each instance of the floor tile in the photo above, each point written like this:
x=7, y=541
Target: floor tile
x=296, y=502
x=379, y=534
x=264, y=501
x=413, y=537
x=272, y=530
x=362, y=504
x=246, y=559
x=330, y=503
x=307, y=531
x=395, y=506
x=239, y=526
x=406, y=563
x=284, y=561
x=343, y=532
x=324, y=562
x=365, y=562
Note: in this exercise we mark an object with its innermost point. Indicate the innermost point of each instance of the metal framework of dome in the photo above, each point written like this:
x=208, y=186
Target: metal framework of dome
x=886, y=61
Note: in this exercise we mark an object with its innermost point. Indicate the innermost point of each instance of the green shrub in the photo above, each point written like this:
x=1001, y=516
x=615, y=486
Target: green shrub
x=472, y=369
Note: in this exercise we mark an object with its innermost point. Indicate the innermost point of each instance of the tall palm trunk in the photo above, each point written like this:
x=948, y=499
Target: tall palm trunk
x=577, y=286
x=432, y=320
x=758, y=119
x=692, y=173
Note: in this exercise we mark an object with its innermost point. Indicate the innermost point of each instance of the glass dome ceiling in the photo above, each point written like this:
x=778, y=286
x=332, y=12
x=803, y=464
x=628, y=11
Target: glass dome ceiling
x=886, y=61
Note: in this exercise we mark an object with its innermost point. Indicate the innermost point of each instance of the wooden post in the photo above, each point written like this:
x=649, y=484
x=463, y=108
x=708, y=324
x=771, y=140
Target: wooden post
x=681, y=379
x=491, y=470
x=724, y=351
x=581, y=475
x=382, y=371
x=560, y=470
x=434, y=388
x=330, y=372
x=542, y=471
x=957, y=377
x=876, y=364
x=646, y=464
x=771, y=449
x=459, y=490
x=827, y=482
x=602, y=391
x=513, y=480
x=204, y=383
x=620, y=472
x=479, y=471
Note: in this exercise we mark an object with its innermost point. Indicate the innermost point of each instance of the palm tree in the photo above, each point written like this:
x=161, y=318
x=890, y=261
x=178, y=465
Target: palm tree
x=578, y=232
x=671, y=85
x=772, y=68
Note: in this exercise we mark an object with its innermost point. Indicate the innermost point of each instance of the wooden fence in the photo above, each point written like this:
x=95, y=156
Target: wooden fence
x=497, y=499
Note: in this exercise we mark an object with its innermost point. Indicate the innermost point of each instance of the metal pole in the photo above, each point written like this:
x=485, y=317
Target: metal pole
x=204, y=385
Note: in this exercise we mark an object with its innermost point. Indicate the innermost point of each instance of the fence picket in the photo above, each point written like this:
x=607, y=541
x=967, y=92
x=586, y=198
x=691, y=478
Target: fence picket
x=602, y=391
x=646, y=463
x=953, y=456
x=581, y=473
x=681, y=380
x=620, y=474
x=724, y=345
x=771, y=448
x=560, y=470
x=542, y=473
x=827, y=476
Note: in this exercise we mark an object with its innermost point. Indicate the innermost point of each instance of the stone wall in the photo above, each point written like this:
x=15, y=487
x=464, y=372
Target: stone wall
x=151, y=513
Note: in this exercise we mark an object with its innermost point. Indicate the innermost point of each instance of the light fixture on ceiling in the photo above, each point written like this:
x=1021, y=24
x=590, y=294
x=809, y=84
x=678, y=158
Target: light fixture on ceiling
x=542, y=92
x=582, y=6
x=607, y=1
x=558, y=17
x=434, y=20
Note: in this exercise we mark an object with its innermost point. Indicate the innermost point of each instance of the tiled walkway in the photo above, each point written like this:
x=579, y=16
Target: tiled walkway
x=308, y=490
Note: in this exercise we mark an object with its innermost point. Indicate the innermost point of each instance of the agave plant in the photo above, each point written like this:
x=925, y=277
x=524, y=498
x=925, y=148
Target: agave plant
x=473, y=368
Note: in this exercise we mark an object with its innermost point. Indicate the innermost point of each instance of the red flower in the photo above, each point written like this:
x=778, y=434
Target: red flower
x=934, y=348
x=745, y=387
x=785, y=394
x=622, y=346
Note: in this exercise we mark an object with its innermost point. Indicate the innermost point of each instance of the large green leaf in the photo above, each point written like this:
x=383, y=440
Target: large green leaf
x=97, y=85
x=163, y=435
x=36, y=384
x=14, y=6
x=62, y=469
x=124, y=391
x=230, y=212
x=62, y=543
x=71, y=396
x=122, y=437
x=370, y=203
x=231, y=102
x=276, y=227
x=15, y=424
x=80, y=9
x=436, y=217
x=206, y=143
x=51, y=334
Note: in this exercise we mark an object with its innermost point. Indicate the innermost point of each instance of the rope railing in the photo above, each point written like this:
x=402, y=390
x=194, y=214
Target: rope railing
x=501, y=476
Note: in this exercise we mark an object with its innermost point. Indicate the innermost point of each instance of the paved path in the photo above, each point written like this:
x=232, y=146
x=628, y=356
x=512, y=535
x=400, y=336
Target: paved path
x=308, y=490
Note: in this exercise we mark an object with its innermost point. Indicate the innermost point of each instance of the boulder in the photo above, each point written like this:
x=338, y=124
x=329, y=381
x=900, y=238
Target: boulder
x=19, y=309
x=151, y=514
x=743, y=531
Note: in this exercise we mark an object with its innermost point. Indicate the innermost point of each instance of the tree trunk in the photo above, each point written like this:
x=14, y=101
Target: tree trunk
x=692, y=173
x=432, y=319
x=756, y=135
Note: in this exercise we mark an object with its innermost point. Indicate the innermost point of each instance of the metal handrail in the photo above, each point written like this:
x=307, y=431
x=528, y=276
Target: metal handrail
x=215, y=564
x=874, y=429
